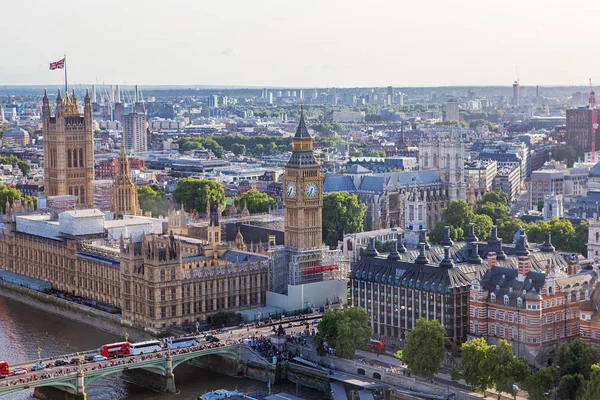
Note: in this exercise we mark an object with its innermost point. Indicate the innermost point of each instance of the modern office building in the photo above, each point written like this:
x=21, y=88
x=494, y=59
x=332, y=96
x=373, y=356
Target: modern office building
x=579, y=129
x=452, y=110
x=508, y=180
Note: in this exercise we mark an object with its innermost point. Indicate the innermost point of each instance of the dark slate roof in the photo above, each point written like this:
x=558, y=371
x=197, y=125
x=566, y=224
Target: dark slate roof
x=357, y=169
x=302, y=132
x=377, y=182
x=253, y=234
x=243, y=256
x=503, y=281
x=337, y=183
x=427, y=277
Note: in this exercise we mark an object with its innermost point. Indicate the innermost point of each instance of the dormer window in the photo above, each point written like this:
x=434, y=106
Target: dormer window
x=492, y=298
x=519, y=302
x=551, y=290
x=505, y=300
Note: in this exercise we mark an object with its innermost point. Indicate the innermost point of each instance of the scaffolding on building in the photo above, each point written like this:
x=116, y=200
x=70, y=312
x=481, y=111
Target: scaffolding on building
x=297, y=267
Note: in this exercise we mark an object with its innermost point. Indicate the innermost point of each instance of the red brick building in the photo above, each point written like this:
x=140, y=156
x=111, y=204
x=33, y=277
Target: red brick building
x=107, y=169
x=533, y=310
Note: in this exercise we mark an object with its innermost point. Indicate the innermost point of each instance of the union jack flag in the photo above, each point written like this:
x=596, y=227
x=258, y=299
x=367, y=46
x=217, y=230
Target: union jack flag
x=60, y=64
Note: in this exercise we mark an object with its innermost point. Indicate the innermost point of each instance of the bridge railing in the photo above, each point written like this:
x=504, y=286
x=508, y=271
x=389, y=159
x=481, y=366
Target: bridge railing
x=66, y=357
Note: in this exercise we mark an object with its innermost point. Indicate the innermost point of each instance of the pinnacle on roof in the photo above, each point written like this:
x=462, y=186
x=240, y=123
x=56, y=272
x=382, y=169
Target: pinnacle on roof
x=474, y=256
x=394, y=255
x=400, y=244
x=547, y=247
x=471, y=234
x=302, y=132
x=446, y=241
x=521, y=247
x=371, y=251
x=422, y=258
x=447, y=260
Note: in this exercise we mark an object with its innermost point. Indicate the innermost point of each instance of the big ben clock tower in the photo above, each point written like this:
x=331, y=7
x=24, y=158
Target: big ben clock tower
x=303, y=193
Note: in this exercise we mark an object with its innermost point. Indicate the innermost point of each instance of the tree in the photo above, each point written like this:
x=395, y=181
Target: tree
x=455, y=375
x=483, y=226
x=507, y=228
x=258, y=150
x=341, y=214
x=257, y=202
x=225, y=318
x=238, y=149
x=576, y=357
x=592, y=390
x=505, y=368
x=345, y=330
x=194, y=193
x=565, y=153
x=495, y=211
x=474, y=362
x=425, y=347
x=9, y=194
x=539, y=384
x=355, y=153
x=152, y=201
x=496, y=196
x=579, y=242
x=458, y=214
x=571, y=387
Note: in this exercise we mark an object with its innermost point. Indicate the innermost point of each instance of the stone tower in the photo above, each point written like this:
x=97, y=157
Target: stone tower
x=125, y=198
x=303, y=197
x=69, y=149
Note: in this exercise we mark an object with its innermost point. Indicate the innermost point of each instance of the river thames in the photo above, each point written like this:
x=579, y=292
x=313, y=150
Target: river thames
x=24, y=329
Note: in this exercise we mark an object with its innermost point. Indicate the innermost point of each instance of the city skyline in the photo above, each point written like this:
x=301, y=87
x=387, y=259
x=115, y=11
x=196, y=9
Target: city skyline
x=311, y=44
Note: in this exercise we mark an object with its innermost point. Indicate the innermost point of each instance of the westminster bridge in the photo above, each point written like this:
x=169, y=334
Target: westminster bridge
x=153, y=370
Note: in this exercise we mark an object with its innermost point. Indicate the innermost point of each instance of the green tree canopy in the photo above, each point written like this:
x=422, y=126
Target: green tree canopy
x=475, y=362
x=16, y=162
x=9, y=194
x=238, y=149
x=342, y=213
x=564, y=152
x=571, y=387
x=425, y=347
x=562, y=230
x=483, y=226
x=576, y=357
x=153, y=201
x=345, y=330
x=592, y=389
x=540, y=384
x=225, y=318
x=506, y=369
x=457, y=216
x=257, y=202
x=194, y=193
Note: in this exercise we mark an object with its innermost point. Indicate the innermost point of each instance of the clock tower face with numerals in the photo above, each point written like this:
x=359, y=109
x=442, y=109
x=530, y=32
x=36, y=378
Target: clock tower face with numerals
x=303, y=193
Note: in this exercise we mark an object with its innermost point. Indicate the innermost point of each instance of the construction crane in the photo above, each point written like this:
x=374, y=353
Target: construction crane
x=594, y=120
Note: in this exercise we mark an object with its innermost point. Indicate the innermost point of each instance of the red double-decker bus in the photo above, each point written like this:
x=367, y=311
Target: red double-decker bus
x=115, y=349
x=4, y=368
x=376, y=346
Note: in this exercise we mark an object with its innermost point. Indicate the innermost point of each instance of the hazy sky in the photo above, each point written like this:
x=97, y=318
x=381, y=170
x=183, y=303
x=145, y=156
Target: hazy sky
x=302, y=43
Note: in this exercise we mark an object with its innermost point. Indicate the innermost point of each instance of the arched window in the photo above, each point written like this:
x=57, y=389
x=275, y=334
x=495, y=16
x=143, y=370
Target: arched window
x=81, y=163
x=597, y=237
x=425, y=160
x=70, y=190
x=69, y=163
x=162, y=275
x=82, y=194
x=457, y=161
x=420, y=212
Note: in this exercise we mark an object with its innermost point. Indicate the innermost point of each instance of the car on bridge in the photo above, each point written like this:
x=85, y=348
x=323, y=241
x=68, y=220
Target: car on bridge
x=99, y=358
x=37, y=367
x=19, y=371
x=74, y=361
x=60, y=363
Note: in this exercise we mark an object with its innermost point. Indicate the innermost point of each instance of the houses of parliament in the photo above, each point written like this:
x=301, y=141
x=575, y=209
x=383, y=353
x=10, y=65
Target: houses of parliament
x=149, y=268
x=154, y=274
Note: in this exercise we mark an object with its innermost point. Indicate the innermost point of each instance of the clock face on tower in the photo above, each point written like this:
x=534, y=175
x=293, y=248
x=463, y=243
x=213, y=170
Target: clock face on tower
x=312, y=190
x=290, y=189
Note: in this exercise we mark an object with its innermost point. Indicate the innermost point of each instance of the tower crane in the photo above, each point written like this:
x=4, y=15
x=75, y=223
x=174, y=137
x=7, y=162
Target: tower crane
x=594, y=120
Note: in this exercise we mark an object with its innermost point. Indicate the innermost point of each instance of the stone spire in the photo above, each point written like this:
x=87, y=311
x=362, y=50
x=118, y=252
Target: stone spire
x=125, y=198
x=394, y=255
x=471, y=234
x=447, y=260
x=400, y=244
x=371, y=251
x=474, y=254
x=547, y=247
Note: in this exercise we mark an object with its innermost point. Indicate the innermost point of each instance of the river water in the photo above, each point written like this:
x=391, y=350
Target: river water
x=24, y=329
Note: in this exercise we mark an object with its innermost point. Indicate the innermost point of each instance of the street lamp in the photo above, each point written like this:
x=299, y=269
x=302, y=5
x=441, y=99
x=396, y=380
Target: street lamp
x=39, y=351
x=126, y=337
x=197, y=326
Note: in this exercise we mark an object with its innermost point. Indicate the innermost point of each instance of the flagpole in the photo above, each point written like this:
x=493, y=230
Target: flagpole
x=66, y=86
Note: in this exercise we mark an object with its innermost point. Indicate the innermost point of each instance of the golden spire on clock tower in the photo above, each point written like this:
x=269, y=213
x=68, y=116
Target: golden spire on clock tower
x=303, y=197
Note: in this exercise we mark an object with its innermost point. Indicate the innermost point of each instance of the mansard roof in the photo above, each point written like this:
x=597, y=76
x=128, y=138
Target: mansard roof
x=427, y=277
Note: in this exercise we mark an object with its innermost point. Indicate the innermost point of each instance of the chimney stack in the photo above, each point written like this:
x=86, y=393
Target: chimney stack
x=491, y=259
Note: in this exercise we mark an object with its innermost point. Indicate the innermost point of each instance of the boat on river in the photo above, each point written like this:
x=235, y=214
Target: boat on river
x=223, y=394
